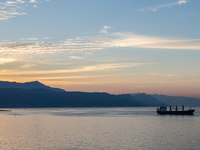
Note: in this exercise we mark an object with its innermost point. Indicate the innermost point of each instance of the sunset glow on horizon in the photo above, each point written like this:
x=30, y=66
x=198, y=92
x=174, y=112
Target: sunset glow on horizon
x=103, y=46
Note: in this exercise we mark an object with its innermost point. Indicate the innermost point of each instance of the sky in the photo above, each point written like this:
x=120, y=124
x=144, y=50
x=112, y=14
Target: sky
x=114, y=46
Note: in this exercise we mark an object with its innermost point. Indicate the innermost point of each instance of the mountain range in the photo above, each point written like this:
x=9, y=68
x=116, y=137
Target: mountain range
x=36, y=94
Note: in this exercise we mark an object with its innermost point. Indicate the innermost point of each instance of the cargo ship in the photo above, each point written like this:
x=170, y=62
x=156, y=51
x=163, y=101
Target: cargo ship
x=174, y=111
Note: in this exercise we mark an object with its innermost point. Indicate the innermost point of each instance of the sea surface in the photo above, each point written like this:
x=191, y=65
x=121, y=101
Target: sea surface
x=97, y=129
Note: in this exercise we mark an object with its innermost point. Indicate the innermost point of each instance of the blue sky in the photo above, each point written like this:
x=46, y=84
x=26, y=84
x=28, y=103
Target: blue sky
x=110, y=46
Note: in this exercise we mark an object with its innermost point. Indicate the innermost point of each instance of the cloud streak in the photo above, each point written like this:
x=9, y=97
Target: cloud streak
x=97, y=67
x=156, y=8
x=143, y=41
x=26, y=46
x=164, y=75
x=6, y=60
x=122, y=39
x=13, y=8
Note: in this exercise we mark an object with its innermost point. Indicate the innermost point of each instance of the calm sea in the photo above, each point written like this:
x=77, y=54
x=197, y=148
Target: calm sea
x=97, y=129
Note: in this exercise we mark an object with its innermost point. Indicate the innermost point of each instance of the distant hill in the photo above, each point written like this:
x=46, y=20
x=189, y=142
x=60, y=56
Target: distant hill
x=36, y=94
x=146, y=100
x=47, y=98
x=175, y=100
x=27, y=85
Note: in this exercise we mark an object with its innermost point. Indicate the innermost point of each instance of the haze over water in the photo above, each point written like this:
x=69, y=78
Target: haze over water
x=97, y=128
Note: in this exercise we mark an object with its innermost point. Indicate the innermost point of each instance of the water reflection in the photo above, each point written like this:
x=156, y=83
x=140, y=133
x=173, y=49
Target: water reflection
x=96, y=128
x=85, y=111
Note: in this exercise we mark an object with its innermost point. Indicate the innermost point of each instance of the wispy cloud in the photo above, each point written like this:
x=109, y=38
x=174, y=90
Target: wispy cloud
x=6, y=60
x=29, y=39
x=105, y=29
x=12, y=48
x=164, y=75
x=122, y=39
x=13, y=8
x=32, y=1
x=26, y=66
x=143, y=41
x=76, y=57
x=156, y=8
x=73, y=77
x=10, y=9
x=35, y=45
x=97, y=67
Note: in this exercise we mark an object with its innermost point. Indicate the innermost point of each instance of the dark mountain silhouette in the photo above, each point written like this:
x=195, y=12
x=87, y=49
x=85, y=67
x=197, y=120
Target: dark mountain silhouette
x=27, y=85
x=146, y=100
x=36, y=94
x=14, y=97
x=175, y=100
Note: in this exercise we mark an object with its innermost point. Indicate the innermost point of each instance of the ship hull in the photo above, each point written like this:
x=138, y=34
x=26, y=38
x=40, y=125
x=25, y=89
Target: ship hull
x=187, y=112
